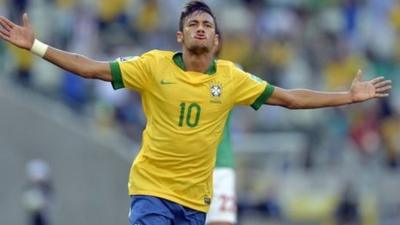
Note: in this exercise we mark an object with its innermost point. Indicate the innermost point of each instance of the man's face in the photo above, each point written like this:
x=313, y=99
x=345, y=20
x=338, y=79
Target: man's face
x=198, y=35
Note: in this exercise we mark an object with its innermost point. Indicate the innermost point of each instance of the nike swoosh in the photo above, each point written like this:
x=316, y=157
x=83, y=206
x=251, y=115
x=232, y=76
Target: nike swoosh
x=164, y=82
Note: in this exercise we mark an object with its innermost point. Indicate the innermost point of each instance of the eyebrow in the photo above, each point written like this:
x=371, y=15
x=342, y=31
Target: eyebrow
x=197, y=21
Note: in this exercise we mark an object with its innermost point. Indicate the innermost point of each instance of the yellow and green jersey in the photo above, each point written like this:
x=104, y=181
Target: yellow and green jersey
x=186, y=113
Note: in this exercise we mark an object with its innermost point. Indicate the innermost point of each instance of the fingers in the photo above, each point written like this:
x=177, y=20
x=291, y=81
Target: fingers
x=5, y=28
x=25, y=20
x=382, y=83
x=4, y=35
x=376, y=80
x=5, y=32
x=7, y=24
x=383, y=89
x=358, y=75
x=381, y=95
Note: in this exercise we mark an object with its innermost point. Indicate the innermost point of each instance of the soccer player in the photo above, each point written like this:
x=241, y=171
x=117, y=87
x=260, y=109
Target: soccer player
x=186, y=97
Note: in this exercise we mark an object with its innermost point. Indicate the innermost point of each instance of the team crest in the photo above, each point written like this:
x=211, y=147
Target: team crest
x=216, y=90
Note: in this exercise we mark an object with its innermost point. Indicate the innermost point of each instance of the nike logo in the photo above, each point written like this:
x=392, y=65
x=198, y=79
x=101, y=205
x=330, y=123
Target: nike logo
x=164, y=82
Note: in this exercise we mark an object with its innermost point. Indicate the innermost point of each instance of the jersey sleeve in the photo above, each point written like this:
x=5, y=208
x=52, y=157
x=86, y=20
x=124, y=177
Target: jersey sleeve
x=132, y=72
x=251, y=90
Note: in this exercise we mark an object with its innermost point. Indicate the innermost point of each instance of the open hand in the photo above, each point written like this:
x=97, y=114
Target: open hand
x=20, y=36
x=364, y=90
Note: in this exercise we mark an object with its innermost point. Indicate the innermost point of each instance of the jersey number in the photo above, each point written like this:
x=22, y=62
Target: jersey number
x=193, y=109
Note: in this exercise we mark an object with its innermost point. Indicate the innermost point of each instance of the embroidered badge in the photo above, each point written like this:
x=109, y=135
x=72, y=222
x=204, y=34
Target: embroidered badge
x=216, y=90
x=216, y=93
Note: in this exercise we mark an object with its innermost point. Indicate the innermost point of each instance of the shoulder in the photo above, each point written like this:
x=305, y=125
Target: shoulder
x=159, y=54
x=225, y=64
x=155, y=58
x=229, y=68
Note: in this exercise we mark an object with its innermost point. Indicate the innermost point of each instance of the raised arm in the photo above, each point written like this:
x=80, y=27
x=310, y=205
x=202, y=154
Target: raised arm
x=307, y=99
x=23, y=37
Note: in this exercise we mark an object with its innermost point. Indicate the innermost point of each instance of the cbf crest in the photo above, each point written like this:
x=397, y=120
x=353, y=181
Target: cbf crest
x=216, y=92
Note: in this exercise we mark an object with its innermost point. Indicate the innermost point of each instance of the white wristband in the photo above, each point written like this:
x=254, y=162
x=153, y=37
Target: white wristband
x=39, y=48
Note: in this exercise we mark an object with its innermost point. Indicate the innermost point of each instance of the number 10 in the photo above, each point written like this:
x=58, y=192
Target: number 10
x=189, y=121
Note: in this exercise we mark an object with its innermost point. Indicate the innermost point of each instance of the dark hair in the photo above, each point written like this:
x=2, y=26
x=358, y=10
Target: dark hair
x=192, y=7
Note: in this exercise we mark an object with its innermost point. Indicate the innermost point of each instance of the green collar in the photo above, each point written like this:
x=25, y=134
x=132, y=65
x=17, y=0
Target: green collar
x=178, y=59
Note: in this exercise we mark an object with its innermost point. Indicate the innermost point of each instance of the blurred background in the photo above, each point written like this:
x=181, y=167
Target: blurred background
x=66, y=144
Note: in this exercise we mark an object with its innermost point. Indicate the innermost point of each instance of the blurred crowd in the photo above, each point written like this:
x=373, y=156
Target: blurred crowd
x=317, y=44
x=291, y=44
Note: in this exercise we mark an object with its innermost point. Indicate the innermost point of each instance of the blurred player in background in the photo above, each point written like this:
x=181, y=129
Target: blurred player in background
x=223, y=208
x=38, y=192
x=187, y=97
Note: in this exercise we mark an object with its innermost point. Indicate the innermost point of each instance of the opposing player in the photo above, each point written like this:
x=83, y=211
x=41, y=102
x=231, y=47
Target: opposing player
x=186, y=97
x=223, y=208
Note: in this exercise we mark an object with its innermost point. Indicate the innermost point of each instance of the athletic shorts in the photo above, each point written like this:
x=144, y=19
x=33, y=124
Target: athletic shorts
x=149, y=210
x=223, y=204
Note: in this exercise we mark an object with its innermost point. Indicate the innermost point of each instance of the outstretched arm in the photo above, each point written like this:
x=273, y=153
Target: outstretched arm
x=23, y=37
x=307, y=99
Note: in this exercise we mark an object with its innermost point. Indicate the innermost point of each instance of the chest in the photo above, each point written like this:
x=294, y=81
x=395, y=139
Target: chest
x=178, y=86
x=191, y=99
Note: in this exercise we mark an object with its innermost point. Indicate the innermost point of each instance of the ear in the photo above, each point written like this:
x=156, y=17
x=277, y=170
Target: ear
x=179, y=37
x=216, y=40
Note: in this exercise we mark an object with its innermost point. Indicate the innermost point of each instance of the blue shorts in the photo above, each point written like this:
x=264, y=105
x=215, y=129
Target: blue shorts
x=149, y=210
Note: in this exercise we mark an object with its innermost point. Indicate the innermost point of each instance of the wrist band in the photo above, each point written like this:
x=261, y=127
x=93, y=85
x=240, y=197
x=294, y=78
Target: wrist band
x=39, y=48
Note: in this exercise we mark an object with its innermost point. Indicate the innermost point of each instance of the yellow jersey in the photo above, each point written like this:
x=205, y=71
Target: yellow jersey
x=186, y=113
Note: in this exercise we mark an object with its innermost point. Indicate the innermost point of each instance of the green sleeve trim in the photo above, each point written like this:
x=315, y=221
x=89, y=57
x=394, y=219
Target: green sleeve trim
x=116, y=82
x=263, y=97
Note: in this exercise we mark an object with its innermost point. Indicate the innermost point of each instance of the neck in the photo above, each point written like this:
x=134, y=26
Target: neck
x=196, y=62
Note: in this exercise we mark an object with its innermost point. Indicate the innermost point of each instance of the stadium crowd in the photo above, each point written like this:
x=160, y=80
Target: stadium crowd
x=318, y=44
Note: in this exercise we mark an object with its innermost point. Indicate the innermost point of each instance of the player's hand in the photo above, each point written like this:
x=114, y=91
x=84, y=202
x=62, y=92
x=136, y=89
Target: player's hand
x=364, y=90
x=20, y=36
